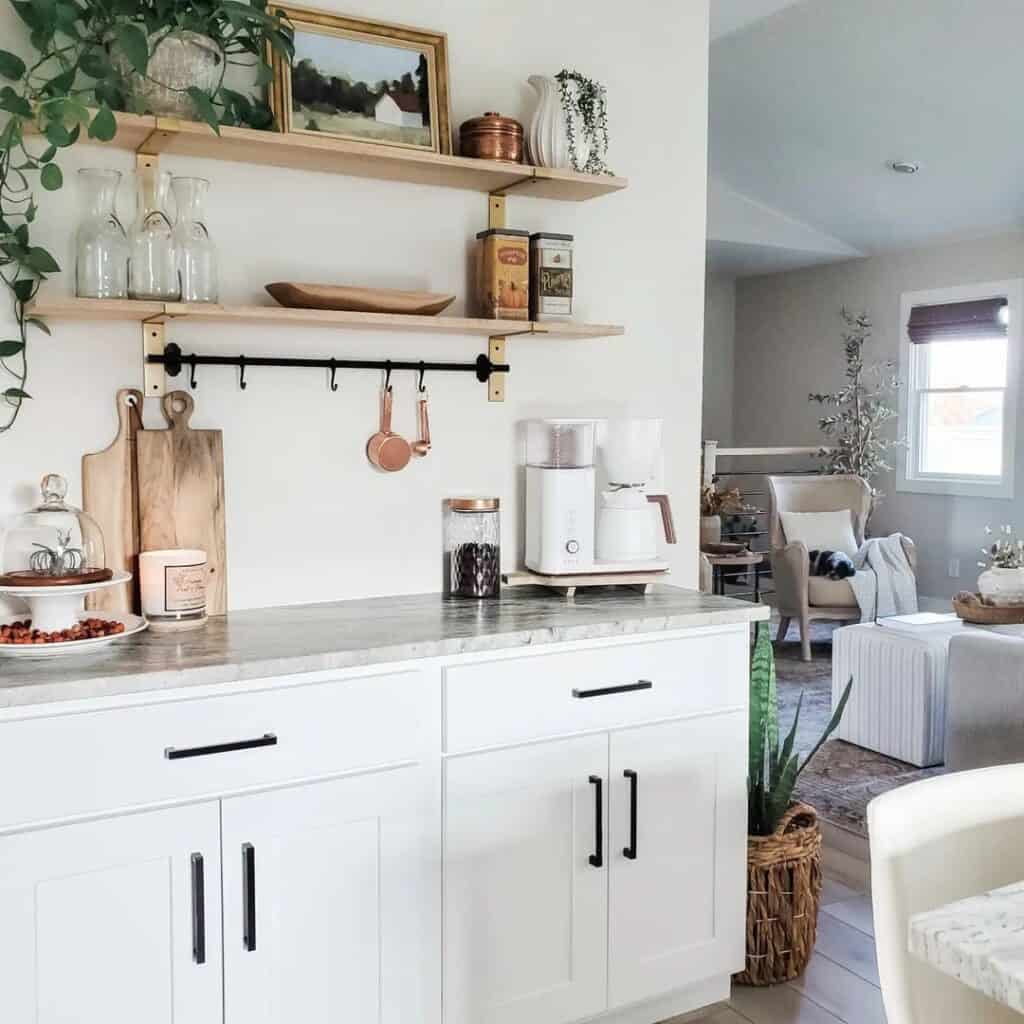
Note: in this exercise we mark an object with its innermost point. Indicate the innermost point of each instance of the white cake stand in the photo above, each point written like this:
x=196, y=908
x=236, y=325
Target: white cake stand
x=55, y=608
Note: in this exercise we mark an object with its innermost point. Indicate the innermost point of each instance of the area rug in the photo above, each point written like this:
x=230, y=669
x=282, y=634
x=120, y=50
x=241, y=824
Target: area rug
x=842, y=779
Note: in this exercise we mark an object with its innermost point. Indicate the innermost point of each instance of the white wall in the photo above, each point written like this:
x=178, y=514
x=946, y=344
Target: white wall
x=308, y=519
x=719, y=357
x=788, y=342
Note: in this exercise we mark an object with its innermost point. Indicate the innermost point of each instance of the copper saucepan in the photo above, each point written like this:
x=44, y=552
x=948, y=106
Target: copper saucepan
x=387, y=450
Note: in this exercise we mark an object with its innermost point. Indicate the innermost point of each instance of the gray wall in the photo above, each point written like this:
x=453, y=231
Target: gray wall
x=788, y=342
x=719, y=357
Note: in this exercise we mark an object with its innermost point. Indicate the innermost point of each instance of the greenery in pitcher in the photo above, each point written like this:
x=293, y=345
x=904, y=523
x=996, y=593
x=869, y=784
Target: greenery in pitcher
x=774, y=769
x=862, y=408
x=85, y=55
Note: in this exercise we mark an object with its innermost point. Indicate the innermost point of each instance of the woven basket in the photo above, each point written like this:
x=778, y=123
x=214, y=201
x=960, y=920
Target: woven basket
x=783, y=892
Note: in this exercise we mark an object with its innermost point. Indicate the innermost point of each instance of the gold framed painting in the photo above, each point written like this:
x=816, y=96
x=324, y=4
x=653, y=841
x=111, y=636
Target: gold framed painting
x=362, y=80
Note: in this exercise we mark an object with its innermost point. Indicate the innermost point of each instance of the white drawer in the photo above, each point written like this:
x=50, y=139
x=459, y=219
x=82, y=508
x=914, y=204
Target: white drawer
x=80, y=764
x=536, y=696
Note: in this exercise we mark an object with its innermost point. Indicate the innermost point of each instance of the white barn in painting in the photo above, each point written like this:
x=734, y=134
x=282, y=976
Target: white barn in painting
x=400, y=109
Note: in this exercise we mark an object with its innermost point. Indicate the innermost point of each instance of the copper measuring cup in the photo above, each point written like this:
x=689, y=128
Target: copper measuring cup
x=421, y=446
x=387, y=450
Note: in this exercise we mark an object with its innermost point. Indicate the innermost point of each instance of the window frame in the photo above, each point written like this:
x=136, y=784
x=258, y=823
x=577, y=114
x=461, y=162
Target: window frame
x=909, y=478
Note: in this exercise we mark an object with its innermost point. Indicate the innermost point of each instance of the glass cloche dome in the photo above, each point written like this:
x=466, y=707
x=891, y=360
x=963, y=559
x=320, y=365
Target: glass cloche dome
x=53, y=543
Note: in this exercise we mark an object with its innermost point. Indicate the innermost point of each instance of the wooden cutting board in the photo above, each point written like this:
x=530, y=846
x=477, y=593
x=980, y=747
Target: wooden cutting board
x=181, y=492
x=110, y=495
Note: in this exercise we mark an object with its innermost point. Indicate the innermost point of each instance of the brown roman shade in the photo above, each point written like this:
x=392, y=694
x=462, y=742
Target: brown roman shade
x=958, y=321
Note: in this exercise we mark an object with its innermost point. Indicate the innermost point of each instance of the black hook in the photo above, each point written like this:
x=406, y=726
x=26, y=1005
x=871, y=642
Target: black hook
x=192, y=374
x=387, y=377
x=423, y=370
x=334, y=370
x=241, y=373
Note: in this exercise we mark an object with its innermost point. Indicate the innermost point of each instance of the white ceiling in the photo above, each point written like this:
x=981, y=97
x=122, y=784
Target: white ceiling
x=808, y=106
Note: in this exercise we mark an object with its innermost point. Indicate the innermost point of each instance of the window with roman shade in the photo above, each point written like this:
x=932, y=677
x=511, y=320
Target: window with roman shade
x=958, y=409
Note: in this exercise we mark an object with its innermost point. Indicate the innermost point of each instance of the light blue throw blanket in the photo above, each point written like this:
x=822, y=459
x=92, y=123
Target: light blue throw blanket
x=885, y=583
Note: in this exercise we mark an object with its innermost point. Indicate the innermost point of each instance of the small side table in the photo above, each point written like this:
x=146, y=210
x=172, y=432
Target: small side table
x=748, y=560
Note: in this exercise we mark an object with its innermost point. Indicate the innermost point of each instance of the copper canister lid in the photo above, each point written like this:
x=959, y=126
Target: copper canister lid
x=492, y=123
x=474, y=504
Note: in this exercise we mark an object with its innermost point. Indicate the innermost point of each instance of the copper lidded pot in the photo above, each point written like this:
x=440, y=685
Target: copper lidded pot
x=492, y=137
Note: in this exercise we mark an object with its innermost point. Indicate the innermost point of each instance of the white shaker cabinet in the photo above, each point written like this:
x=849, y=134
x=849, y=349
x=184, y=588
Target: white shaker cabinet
x=331, y=900
x=525, y=925
x=676, y=891
x=114, y=921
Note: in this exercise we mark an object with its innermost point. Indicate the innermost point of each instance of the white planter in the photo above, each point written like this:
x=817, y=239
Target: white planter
x=547, y=142
x=710, y=530
x=1002, y=586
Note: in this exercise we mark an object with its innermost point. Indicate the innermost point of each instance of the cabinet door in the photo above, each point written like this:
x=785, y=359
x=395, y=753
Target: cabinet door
x=332, y=902
x=525, y=909
x=115, y=921
x=676, y=893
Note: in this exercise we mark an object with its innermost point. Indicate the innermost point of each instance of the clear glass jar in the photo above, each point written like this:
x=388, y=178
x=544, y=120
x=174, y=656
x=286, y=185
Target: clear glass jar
x=101, y=246
x=197, y=255
x=152, y=263
x=473, y=547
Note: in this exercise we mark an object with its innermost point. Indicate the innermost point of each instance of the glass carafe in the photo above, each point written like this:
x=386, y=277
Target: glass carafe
x=197, y=255
x=152, y=265
x=101, y=246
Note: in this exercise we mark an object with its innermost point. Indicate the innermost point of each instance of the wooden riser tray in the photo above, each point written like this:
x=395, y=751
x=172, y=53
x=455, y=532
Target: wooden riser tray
x=641, y=581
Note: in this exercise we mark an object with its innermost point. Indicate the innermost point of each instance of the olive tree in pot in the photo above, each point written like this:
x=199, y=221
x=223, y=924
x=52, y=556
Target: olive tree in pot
x=82, y=60
x=784, y=840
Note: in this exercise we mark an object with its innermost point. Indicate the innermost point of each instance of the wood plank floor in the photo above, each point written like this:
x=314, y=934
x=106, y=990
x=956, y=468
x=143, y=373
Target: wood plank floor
x=840, y=985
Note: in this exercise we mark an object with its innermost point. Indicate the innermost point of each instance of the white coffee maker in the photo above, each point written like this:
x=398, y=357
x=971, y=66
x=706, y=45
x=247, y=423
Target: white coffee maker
x=627, y=531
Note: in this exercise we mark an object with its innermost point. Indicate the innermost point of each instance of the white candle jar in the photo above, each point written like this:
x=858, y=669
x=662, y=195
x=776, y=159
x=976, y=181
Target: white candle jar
x=173, y=587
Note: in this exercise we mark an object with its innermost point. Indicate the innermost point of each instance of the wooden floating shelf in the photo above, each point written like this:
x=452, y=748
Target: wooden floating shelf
x=166, y=312
x=156, y=136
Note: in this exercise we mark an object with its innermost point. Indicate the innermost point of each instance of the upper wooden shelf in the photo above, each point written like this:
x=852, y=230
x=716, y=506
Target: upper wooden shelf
x=164, y=312
x=157, y=135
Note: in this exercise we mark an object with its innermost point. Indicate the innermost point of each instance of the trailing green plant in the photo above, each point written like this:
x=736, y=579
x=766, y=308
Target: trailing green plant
x=774, y=768
x=863, y=407
x=585, y=102
x=71, y=85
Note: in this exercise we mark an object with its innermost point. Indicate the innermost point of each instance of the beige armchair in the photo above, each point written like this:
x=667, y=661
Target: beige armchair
x=798, y=594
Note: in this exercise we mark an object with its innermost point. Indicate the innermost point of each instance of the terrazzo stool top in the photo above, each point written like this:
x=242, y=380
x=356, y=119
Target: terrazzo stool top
x=979, y=941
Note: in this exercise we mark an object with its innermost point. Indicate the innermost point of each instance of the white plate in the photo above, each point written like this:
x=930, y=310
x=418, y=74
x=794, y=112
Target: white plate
x=132, y=624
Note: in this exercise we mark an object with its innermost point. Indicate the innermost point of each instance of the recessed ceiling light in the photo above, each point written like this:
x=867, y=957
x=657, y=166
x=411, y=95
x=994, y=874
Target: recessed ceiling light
x=904, y=166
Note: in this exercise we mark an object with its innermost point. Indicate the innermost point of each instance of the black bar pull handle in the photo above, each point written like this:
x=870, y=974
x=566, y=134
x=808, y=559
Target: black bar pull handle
x=198, y=909
x=629, y=852
x=604, y=691
x=177, y=753
x=597, y=857
x=248, y=896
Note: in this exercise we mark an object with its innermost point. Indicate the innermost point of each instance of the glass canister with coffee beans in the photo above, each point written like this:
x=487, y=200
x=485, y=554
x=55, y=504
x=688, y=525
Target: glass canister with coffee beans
x=473, y=546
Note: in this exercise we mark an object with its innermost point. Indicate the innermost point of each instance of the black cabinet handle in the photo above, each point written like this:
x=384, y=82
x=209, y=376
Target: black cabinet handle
x=630, y=851
x=597, y=857
x=248, y=896
x=177, y=753
x=603, y=691
x=198, y=909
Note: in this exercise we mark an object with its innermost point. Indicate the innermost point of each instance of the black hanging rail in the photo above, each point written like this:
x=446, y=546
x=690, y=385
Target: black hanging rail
x=173, y=360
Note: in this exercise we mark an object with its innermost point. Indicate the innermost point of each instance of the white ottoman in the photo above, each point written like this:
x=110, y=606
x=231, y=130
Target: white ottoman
x=898, y=702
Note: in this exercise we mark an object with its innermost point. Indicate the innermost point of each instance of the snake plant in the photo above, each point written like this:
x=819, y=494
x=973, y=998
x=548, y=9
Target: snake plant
x=774, y=769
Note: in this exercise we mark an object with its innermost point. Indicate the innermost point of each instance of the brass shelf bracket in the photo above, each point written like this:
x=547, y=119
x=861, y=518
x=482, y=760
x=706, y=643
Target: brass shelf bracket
x=495, y=211
x=496, y=384
x=154, y=375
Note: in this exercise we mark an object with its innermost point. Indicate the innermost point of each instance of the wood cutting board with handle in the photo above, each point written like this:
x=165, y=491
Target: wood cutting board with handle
x=110, y=495
x=181, y=492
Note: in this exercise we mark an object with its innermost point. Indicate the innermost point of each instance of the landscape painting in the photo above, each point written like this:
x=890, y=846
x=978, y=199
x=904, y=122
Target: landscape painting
x=371, y=83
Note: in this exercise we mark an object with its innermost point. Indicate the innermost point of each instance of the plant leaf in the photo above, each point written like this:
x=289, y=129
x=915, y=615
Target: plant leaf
x=51, y=178
x=132, y=41
x=40, y=260
x=36, y=322
x=23, y=289
x=833, y=724
x=204, y=107
x=104, y=126
x=13, y=103
x=16, y=393
x=10, y=348
x=787, y=746
x=94, y=63
x=11, y=66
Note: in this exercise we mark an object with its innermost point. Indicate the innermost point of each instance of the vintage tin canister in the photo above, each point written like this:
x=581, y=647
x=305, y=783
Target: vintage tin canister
x=551, y=283
x=503, y=274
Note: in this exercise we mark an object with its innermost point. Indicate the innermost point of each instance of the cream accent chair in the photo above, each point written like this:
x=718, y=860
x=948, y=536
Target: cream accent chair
x=935, y=842
x=799, y=595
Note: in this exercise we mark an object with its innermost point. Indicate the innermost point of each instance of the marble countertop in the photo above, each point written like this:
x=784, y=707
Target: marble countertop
x=307, y=638
x=979, y=941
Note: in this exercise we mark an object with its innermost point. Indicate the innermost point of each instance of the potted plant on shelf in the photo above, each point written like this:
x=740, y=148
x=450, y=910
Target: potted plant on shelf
x=784, y=840
x=90, y=58
x=1002, y=582
x=713, y=505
